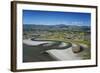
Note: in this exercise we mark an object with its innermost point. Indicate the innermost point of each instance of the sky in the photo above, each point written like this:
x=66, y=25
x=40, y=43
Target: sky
x=55, y=18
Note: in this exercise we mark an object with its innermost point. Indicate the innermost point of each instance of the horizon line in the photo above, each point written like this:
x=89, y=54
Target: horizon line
x=57, y=24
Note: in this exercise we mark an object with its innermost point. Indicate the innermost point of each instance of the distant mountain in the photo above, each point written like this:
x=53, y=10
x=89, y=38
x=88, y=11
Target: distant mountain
x=56, y=27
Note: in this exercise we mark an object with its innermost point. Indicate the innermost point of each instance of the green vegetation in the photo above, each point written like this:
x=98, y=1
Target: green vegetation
x=62, y=34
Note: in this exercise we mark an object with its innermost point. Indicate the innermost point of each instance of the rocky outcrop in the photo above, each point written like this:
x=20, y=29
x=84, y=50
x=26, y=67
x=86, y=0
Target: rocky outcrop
x=76, y=48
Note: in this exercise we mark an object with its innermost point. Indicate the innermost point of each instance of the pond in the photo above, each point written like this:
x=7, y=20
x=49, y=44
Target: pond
x=34, y=50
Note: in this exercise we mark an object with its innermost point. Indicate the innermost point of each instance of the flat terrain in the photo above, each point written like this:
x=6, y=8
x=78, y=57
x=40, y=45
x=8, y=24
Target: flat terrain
x=79, y=35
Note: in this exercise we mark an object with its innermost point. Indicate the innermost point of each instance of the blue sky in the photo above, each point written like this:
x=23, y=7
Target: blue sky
x=55, y=18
